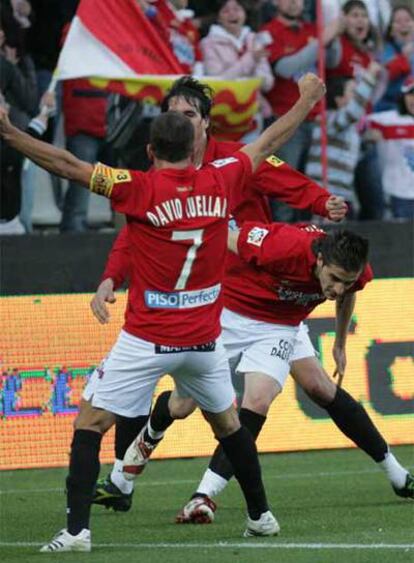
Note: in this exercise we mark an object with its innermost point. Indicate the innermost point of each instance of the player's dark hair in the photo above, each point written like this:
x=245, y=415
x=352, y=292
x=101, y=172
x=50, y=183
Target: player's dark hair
x=196, y=93
x=335, y=87
x=342, y=248
x=172, y=136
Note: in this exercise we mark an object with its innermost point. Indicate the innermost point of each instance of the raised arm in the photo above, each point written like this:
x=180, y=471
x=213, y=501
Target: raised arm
x=53, y=159
x=311, y=90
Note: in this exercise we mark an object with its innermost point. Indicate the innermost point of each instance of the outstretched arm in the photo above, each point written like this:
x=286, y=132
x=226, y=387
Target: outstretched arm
x=344, y=308
x=311, y=90
x=55, y=160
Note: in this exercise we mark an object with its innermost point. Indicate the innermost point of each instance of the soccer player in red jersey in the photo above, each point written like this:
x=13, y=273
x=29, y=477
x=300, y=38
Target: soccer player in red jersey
x=273, y=178
x=177, y=219
x=285, y=272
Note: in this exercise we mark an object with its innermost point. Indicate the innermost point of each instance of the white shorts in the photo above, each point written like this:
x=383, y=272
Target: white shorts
x=124, y=383
x=264, y=347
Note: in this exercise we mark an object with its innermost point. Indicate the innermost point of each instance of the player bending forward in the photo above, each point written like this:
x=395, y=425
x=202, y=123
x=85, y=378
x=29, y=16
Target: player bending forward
x=285, y=272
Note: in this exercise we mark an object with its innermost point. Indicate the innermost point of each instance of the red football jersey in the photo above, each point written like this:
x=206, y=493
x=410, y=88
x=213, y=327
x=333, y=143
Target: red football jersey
x=177, y=223
x=273, y=178
x=275, y=282
x=287, y=40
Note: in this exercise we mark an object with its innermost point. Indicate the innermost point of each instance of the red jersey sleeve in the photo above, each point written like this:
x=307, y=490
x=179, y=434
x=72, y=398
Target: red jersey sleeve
x=118, y=264
x=277, y=179
x=125, y=188
x=235, y=171
x=275, y=244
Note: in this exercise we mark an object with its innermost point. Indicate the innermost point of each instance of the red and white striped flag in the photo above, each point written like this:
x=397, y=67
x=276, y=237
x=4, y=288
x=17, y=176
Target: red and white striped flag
x=114, y=39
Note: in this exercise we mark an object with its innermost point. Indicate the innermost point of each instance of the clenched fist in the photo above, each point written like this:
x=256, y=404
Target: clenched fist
x=311, y=88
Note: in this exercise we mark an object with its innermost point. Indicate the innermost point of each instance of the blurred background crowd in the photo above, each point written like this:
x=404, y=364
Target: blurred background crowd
x=369, y=55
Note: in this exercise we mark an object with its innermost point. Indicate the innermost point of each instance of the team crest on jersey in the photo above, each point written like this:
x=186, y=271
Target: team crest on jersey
x=223, y=161
x=256, y=236
x=275, y=161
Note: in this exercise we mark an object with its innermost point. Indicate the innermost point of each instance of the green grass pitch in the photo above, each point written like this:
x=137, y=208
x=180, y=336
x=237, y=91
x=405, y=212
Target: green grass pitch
x=333, y=506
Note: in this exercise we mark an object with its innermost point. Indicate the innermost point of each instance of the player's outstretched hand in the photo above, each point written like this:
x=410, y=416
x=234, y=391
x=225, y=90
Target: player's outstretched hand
x=336, y=208
x=104, y=294
x=311, y=87
x=5, y=125
x=340, y=361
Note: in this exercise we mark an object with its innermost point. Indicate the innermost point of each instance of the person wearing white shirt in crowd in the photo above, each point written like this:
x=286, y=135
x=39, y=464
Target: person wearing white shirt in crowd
x=395, y=133
x=232, y=50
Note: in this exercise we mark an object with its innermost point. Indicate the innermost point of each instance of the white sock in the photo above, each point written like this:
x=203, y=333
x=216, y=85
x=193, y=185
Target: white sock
x=211, y=484
x=118, y=479
x=153, y=433
x=394, y=471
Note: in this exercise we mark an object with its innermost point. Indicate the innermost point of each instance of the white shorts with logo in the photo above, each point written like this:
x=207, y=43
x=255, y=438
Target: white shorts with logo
x=125, y=381
x=264, y=347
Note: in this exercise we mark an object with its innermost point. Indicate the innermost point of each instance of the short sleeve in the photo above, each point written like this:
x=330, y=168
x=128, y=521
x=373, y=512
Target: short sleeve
x=273, y=245
x=235, y=171
x=123, y=187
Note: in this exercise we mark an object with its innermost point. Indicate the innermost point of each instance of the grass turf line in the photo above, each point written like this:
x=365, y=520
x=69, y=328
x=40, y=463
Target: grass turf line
x=334, y=498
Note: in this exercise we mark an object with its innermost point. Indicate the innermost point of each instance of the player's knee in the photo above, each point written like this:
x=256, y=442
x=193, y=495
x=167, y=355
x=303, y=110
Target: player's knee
x=97, y=420
x=258, y=398
x=180, y=408
x=223, y=424
x=320, y=388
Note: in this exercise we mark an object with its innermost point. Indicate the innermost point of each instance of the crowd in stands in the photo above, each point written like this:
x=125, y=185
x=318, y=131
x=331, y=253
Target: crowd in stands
x=369, y=58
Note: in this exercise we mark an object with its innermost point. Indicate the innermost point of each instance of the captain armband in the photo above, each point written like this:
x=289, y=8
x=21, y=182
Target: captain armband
x=105, y=177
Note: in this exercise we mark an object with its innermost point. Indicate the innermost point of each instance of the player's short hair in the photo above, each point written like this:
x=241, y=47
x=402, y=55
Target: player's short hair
x=196, y=93
x=172, y=136
x=343, y=248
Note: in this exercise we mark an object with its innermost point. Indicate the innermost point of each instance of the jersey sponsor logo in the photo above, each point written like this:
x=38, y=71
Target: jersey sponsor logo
x=163, y=349
x=275, y=161
x=299, y=297
x=256, y=236
x=223, y=162
x=182, y=299
x=282, y=350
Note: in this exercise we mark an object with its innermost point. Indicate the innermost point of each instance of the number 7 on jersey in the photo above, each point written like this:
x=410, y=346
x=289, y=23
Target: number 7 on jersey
x=197, y=237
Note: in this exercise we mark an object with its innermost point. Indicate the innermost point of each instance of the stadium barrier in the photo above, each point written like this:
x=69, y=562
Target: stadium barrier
x=51, y=343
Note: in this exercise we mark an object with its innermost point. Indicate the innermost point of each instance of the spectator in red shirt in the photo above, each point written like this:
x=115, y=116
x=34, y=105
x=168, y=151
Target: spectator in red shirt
x=84, y=111
x=356, y=45
x=293, y=52
x=356, y=49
